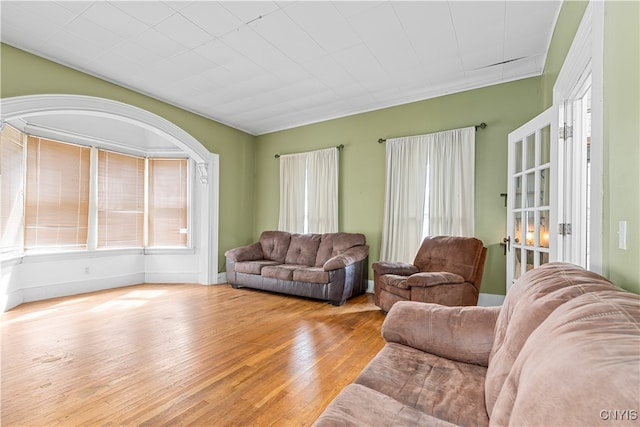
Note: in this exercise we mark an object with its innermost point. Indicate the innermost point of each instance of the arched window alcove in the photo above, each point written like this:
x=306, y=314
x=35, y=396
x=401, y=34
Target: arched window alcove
x=129, y=129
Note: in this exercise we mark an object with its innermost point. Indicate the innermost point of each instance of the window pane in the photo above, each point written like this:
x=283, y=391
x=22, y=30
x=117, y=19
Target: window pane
x=120, y=200
x=530, y=151
x=545, y=145
x=57, y=195
x=167, y=202
x=518, y=156
x=12, y=203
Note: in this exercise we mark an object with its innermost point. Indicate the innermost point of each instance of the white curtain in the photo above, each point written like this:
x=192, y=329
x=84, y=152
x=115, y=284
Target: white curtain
x=428, y=176
x=309, y=192
x=293, y=169
x=404, y=198
x=322, y=190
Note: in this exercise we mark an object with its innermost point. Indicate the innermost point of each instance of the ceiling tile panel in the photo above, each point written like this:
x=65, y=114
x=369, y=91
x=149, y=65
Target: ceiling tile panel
x=99, y=36
x=107, y=16
x=149, y=12
x=281, y=32
x=323, y=23
x=212, y=17
x=478, y=24
x=160, y=43
x=51, y=11
x=216, y=51
x=181, y=30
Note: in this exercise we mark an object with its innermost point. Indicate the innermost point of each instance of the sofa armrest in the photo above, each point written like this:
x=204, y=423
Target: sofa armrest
x=398, y=268
x=464, y=334
x=348, y=257
x=427, y=279
x=245, y=253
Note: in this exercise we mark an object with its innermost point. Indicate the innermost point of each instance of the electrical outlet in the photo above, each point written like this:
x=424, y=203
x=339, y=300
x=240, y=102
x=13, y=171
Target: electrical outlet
x=87, y=270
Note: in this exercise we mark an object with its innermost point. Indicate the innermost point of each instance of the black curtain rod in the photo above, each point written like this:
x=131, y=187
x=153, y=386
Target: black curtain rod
x=339, y=147
x=480, y=126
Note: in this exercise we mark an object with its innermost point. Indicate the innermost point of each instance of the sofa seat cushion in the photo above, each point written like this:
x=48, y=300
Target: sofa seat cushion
x=395, y=284
x=311, y=275
x=446, y=389
x=361, y=406
x=434, y=278
x=282, y=271
x=253, y=267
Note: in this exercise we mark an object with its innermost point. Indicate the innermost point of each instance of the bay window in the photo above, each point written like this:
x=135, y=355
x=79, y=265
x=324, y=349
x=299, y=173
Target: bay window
x=58, y=196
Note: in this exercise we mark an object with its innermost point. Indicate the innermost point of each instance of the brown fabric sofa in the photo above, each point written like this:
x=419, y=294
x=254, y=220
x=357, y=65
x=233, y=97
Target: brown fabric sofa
x=447, y=270
x=331, y=266
x=563, y=350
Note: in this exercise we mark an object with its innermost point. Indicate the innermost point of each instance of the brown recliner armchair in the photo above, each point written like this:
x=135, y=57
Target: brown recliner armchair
x=447, y=270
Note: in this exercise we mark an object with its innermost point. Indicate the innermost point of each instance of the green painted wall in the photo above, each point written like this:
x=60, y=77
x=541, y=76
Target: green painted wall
x=567, y=24
x=26, y=74
x=362, y=162
x=622, y=141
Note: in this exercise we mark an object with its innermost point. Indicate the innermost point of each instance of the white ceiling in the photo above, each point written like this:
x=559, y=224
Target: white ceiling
x=262, y=66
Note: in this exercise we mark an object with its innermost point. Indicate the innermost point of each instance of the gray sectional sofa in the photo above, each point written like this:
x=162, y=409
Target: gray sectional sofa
x=332, y=266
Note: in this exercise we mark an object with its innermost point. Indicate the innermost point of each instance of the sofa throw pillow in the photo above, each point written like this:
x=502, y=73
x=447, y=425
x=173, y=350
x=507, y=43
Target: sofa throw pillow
x=303, y=249
x=274, y=245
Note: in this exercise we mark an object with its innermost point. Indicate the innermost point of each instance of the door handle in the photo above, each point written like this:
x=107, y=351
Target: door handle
x=506, y=242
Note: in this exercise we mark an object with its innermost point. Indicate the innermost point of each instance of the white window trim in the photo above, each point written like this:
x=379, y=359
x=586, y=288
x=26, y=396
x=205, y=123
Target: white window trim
x=587, y=53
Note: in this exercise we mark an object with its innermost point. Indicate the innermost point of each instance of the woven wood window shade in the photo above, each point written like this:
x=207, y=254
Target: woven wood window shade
x=57, y=195
x=167, y=202
x=11, y=200
x=120, y=200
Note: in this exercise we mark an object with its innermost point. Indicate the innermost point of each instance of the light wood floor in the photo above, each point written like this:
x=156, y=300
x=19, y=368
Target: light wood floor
x=181, y=355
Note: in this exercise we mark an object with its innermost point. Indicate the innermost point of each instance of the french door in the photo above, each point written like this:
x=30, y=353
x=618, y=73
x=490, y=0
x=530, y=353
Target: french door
x=531, y=189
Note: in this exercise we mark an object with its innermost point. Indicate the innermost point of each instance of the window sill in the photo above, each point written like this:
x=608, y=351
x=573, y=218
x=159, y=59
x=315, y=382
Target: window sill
x=34, y=257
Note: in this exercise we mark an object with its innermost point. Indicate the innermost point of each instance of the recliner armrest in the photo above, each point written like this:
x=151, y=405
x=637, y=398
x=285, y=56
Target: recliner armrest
x=245, y=253
x=427, y=279
x=348, y=257
x=464, y=334
x=398, y=268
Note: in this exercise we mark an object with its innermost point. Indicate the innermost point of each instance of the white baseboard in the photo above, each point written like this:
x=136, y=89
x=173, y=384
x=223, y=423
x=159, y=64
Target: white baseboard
x=490, y=300
x=166, y=277
x=222, y=277
x=370, y=286
x=83, y=286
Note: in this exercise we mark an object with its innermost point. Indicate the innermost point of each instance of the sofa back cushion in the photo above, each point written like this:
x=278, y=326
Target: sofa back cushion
x=459, y=255
x=303, y=249
x=580, y=367
x=333, y=244
x=529, y=302
x=275, y=245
